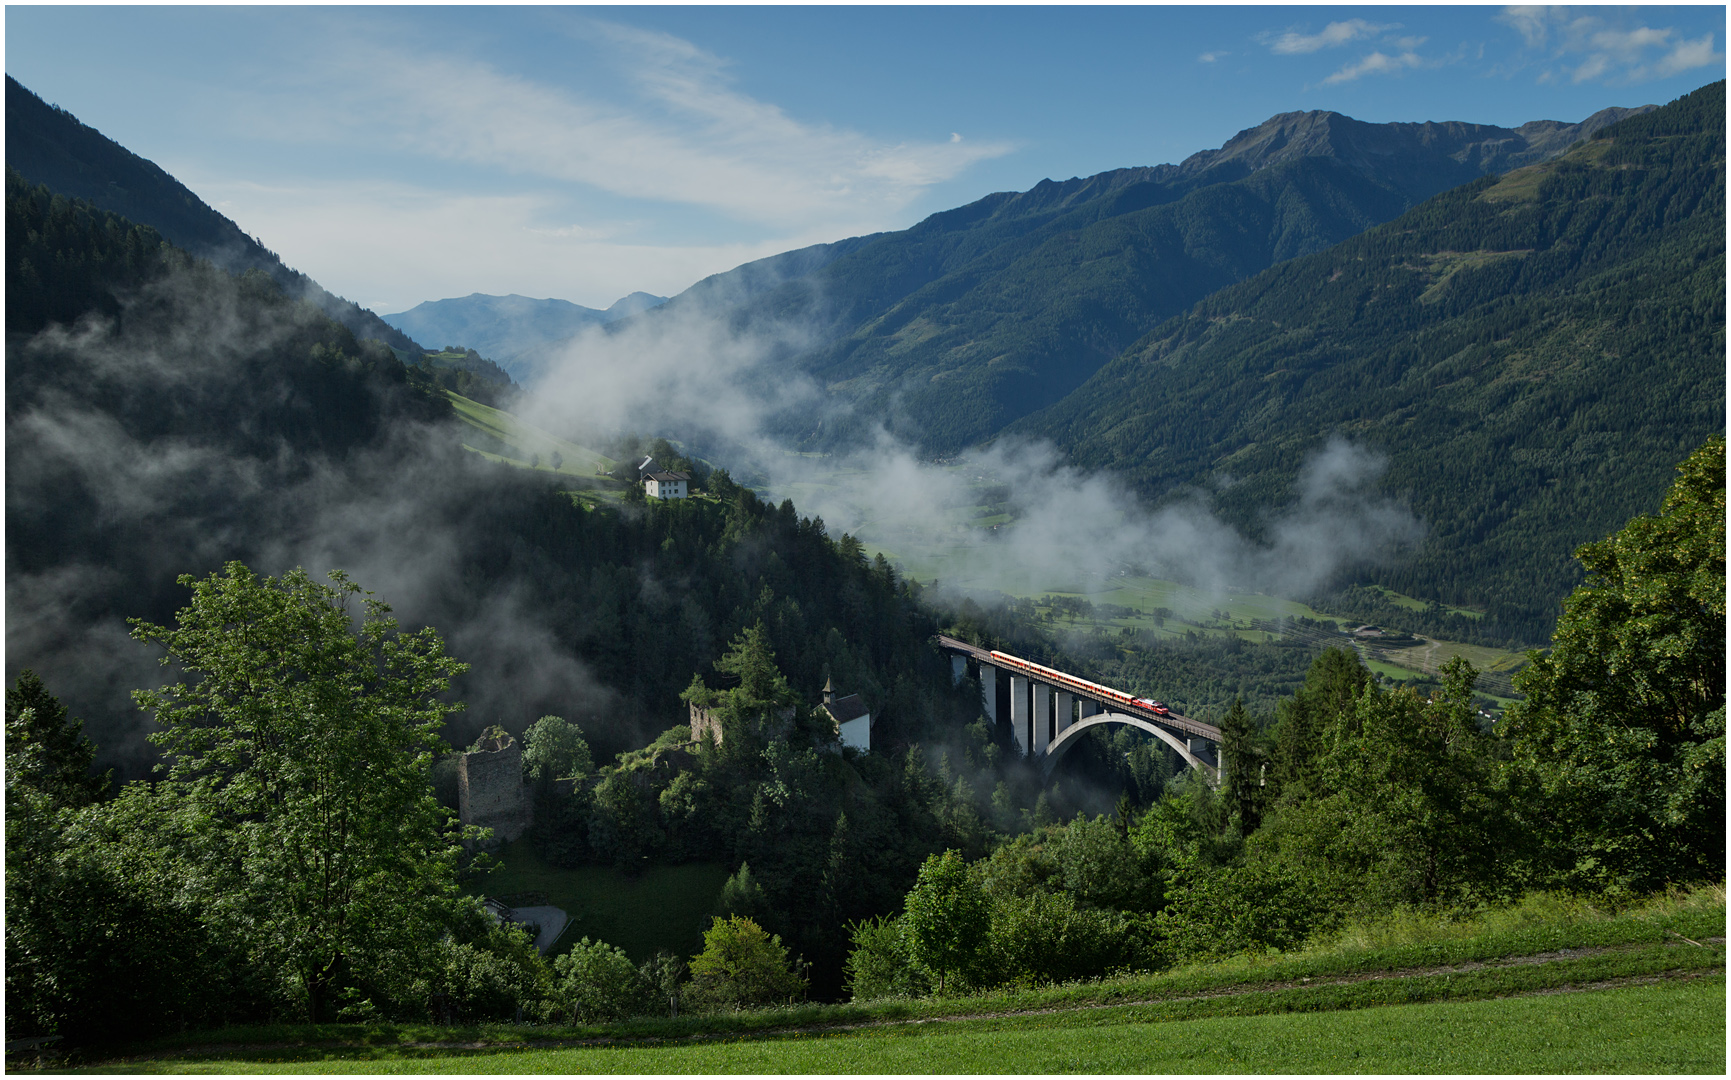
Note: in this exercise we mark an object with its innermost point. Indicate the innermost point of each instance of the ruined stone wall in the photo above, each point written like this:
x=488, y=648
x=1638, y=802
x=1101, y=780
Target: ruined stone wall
x=490, y=789
x=702, y=723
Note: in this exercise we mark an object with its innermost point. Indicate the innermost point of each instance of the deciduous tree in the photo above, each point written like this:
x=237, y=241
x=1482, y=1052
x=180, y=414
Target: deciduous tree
x=741, y=966
x=303, y=734
x=1623, y=726
x=948, y=917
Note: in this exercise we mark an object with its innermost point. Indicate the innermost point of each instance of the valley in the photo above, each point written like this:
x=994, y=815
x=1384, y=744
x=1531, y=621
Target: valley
x=1194, y=616
x=952, y=548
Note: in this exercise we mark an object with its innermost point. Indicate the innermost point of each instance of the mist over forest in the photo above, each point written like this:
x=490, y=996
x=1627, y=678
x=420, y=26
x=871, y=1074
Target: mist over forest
x=1479, y=405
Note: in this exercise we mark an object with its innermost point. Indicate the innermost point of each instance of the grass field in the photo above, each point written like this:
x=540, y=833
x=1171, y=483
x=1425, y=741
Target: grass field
x=1549, y=985
x=665, y=907
x=1673, y=1026
x=500, y=436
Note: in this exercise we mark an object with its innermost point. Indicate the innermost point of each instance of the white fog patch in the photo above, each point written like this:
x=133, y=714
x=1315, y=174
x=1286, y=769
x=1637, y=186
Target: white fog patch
x=694, y=372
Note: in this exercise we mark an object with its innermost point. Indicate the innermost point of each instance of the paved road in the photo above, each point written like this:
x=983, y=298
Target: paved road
x=552, y=921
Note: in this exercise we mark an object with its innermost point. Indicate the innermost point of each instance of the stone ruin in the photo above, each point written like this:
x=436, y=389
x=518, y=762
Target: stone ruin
x=491, y=793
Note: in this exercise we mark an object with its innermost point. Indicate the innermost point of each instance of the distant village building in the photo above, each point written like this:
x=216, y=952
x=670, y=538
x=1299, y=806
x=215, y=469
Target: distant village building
x=490, y=789
x=658, y=483
x=853, y=721
x=665, y=485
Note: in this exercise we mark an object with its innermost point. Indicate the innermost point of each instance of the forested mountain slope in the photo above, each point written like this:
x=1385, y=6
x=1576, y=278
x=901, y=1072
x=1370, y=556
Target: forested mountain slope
x=979, y=315
x=164, y=417
x=1533, y=353
x=49, y=146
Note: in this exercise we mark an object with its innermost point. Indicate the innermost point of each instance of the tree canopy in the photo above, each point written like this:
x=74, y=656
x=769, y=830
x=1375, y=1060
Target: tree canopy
x=304, y=741
x=1623, y=725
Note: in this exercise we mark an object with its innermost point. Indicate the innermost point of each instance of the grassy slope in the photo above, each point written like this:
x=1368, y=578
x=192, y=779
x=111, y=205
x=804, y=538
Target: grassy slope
x=1546, y=986
x=665, y=907
x=500, y=436
x=1664, y=1027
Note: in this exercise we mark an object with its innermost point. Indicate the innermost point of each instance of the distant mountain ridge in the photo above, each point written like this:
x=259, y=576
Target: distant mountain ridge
x=1533, y=354
x=48, y=145
x=1474, y=150
x=507, y=328
x=952, y=329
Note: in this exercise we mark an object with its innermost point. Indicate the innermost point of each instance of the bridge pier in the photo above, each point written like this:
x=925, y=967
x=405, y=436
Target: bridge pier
x=1042, y=718
x=1203, y=749
x=1019, y=711
x=1088, y=707
x=958, y=668
x=1066, y=713
x=989, y=693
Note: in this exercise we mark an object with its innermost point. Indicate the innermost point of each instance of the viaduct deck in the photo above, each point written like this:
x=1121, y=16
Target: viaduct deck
x=1116, y=700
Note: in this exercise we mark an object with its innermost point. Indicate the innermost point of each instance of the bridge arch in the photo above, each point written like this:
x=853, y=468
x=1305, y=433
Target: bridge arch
x=1070, y=735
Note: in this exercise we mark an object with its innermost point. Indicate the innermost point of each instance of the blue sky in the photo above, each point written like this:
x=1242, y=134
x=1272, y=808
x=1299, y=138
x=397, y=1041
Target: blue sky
x=402, y=154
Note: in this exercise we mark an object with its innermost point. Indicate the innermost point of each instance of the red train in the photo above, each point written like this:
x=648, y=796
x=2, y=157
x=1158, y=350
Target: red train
x=1058, y=678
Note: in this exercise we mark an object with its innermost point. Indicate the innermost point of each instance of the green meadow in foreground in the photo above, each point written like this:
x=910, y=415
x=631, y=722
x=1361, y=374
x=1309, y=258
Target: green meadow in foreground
x=1547, y=985
x=1669, y=1027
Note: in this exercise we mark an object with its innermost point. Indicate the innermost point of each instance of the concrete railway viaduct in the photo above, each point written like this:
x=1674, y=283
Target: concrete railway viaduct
x=1049, y=710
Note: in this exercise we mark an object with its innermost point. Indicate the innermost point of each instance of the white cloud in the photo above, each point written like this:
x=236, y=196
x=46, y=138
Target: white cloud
x=1690, y=54
x=676, y=132
x=1211, y=57
x=1376, y=63
x=568, y=173
x=1531, y=21
x=1332, y=35
x=1591, y=49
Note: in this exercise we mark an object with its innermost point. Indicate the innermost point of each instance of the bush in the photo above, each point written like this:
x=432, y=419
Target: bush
x=881, y=965
x=742, y=966
x=597, y=982
x=1044, y=937
x=484, y=971
x=1255, y=907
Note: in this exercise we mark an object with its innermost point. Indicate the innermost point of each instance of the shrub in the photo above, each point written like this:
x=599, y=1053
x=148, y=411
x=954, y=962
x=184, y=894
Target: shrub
x=742, y=966
x=1044, y=937
x=597, y=982
x=881, y=964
